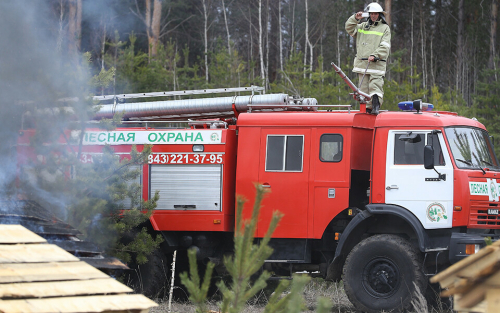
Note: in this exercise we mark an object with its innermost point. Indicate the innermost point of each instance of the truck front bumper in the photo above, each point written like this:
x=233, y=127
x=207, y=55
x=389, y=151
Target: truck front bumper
x=458, y=242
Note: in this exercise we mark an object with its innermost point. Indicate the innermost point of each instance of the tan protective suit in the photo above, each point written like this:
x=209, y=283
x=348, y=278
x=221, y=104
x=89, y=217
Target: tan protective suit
x=372, y=38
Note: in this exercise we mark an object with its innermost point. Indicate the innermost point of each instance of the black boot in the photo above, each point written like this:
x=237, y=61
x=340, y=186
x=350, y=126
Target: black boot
x=375, y=104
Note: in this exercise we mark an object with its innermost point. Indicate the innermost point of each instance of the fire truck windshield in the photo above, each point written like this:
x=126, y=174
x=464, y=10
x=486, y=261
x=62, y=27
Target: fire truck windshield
x=472, y=148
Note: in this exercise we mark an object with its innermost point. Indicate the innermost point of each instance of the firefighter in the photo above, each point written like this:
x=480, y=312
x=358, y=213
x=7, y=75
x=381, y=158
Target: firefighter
x=373, y=43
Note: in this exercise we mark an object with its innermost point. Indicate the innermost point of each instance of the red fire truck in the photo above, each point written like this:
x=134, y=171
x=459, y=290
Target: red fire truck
x=380, y=201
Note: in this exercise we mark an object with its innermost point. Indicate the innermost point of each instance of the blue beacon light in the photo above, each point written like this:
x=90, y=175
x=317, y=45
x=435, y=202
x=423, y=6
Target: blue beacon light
x=416, y=105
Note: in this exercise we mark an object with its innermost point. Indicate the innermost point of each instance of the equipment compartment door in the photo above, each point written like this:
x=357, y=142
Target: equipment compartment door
x=187, y=186
x=284, y=169
x=410, y=185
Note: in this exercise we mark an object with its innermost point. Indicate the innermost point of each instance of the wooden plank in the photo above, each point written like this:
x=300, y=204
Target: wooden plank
x=460, y=286
x=34, y=253
x=451, y=271
x=493, y=300
x=463, y=286
x=473, y=297
x=481, y=307
x=89, y=304
x=10, y=234
x=63, y=288
x=468, y=267
x=32, y=272
x=493, y=281
x=481, y=267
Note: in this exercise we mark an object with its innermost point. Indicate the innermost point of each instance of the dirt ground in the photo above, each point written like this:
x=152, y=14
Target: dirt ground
x=315, y=289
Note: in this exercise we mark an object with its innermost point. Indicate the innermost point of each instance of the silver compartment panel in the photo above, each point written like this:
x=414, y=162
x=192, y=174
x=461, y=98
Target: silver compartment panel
x=187, y=187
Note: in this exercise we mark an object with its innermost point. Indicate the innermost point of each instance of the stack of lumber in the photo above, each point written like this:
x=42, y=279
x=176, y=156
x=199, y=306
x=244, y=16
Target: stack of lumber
x=39, y=277
x=45, y=223
x=474, y=282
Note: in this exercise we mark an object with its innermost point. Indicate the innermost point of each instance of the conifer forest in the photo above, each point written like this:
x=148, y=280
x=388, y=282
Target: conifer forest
x=443, y=51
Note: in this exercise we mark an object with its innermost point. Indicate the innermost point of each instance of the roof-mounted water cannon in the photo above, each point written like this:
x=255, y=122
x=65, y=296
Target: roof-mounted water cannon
x=357, y=94
x=415, y=105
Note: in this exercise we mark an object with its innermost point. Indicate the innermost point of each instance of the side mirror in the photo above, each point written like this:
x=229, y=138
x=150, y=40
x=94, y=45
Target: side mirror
x=428, y=157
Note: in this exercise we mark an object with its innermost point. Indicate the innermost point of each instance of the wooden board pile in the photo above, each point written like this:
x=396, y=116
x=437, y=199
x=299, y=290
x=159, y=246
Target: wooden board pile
x=474, y=282
x=39, y=277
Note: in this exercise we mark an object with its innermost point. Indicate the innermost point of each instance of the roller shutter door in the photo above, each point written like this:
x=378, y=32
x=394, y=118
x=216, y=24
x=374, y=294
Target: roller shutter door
x=187, y=187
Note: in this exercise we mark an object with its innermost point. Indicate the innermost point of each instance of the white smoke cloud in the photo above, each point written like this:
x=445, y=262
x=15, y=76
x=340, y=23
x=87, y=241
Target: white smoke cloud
x=34, y=74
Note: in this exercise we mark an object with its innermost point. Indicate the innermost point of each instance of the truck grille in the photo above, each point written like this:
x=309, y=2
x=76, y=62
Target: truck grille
x=479, y=215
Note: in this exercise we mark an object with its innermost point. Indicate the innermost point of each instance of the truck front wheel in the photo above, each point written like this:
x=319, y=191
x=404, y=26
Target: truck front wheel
x=382, y=272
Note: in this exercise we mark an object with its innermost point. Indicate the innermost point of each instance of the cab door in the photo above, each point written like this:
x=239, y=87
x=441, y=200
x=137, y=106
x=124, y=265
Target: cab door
x=411, y=186
x=284, y=169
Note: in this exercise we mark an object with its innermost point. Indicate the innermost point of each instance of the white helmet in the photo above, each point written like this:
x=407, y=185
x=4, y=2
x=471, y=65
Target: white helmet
x=374, y=7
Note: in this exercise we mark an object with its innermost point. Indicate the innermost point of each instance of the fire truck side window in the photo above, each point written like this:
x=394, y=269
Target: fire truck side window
x=330, y=148
x=409, y=151
x=284, y=153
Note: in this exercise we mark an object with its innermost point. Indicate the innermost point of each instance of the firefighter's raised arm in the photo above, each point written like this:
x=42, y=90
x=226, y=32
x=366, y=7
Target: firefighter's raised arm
x=351, y=25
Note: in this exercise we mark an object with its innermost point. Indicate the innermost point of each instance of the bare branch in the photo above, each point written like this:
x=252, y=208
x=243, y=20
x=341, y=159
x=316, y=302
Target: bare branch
x=137, y=13
x=171, y=30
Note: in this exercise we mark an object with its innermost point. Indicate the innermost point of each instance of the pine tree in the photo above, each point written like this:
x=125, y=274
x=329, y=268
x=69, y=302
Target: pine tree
x=243, y=267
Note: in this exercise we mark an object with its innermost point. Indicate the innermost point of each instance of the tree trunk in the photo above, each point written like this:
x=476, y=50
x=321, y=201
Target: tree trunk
x=251, y=41
x=306, y=44
x=147, y=20
x=74, y=26
x=155, y=27
x=274, y=37
x=460, y=41
x=60, y=34
x=493, y=36
x=292, y=38
x=432, y=61
x=309, y=43
x=78, y=26
x=103, y=46
x=422, y=35
x=205, y=37
x=267, y=44
x=281, y=37
x=411, y=50
x=227, y=29
x=388, y=5
x=261, y=52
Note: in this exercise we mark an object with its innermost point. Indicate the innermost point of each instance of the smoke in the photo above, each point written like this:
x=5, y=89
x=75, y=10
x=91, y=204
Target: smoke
x=35, y=71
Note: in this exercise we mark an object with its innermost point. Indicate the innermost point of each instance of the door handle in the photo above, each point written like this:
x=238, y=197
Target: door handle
x=392, y=187
x=266, y=185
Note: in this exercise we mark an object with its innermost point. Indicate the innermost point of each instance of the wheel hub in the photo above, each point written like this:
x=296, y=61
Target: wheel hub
x=381, y=277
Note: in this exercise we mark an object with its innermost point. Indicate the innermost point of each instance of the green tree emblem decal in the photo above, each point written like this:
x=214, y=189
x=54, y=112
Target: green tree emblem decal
x=436, y=212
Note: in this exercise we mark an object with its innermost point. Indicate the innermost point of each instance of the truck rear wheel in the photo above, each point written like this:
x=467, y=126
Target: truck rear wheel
x=382, y=272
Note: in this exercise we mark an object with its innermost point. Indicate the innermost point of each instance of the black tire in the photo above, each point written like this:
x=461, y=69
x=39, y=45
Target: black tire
x=380, y=272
